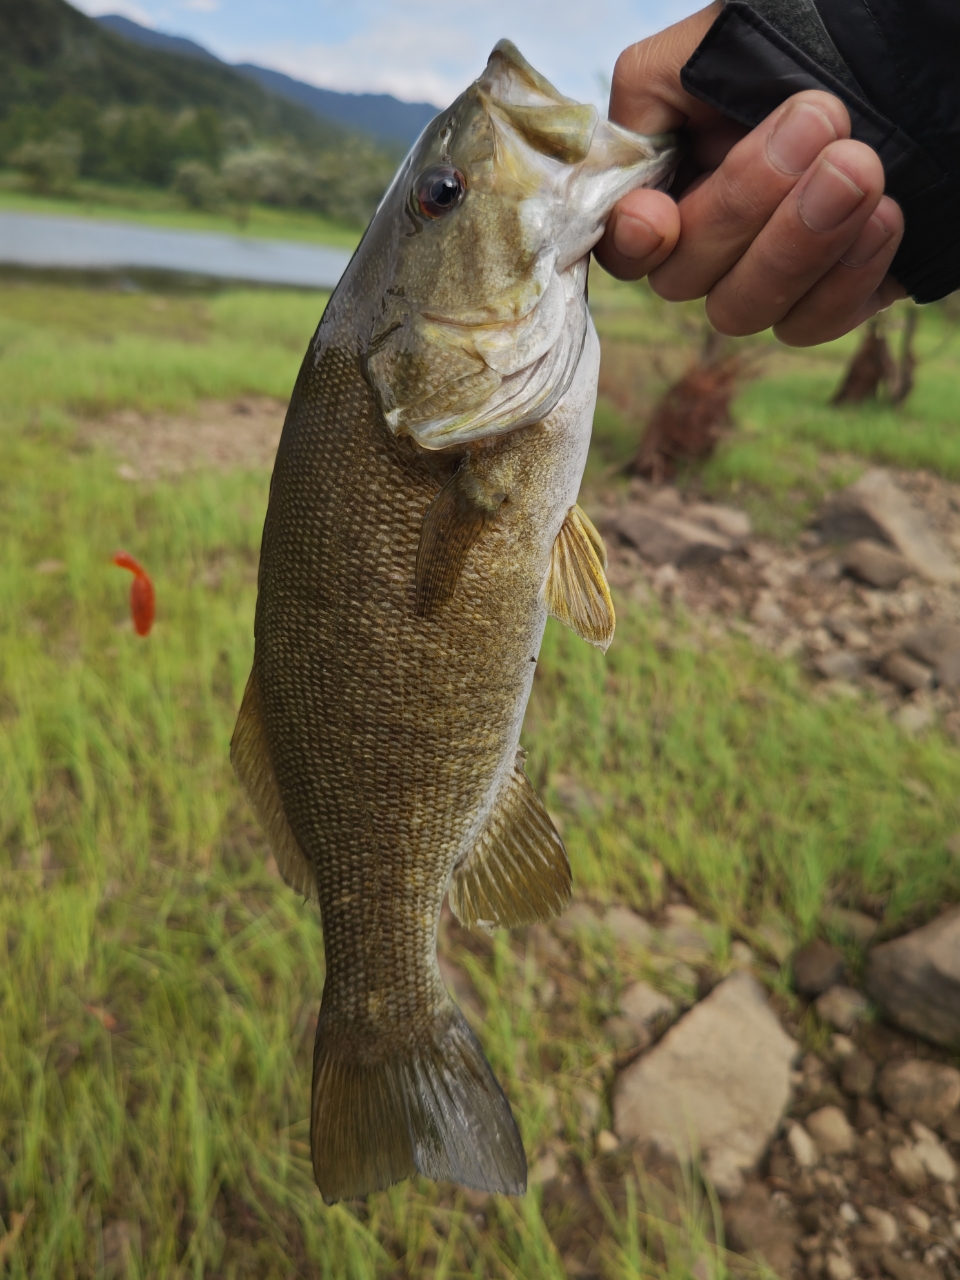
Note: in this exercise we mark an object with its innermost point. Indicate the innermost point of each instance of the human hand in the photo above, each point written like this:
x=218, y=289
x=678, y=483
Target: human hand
x=786, y=225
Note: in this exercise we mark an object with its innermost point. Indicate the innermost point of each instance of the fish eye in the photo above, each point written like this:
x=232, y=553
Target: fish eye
x=440, y=189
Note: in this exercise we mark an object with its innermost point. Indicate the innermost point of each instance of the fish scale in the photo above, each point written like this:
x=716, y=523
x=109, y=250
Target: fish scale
x=421, y=525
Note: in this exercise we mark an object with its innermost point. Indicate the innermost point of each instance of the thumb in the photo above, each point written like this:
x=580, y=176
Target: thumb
x=646, y=95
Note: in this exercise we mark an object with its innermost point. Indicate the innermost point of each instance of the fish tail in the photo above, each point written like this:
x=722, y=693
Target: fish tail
x=431, y=1107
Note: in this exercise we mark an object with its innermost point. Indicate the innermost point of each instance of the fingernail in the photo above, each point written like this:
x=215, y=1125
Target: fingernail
x=800, y=135
x=828, y=198
x=633, y=238
x=868, y=243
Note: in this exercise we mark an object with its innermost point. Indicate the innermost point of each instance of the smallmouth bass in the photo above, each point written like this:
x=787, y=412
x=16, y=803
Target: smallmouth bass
x=422, y=523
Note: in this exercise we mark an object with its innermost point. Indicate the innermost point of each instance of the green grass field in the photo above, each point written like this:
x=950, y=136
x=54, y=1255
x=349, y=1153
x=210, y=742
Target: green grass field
x=159, y=985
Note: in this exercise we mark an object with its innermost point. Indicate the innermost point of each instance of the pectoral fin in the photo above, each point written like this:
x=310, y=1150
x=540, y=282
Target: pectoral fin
x=517, y=872
x=251, y=762
x=576, y=591
x=454, y=521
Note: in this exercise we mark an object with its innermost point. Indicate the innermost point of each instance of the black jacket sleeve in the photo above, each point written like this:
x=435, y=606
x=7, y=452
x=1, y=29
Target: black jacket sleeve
x=895, y=64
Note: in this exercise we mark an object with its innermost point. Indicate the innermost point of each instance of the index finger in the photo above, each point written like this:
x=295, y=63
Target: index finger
x=724, y=214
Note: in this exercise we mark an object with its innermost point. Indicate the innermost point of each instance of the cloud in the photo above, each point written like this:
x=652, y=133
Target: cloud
x=201, y=6
x=430, y=49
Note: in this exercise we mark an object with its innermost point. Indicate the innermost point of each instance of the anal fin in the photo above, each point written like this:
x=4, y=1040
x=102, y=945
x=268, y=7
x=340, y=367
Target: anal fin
x=250, y=757
x=576, y=590
x=517, y=873
x=454, y=521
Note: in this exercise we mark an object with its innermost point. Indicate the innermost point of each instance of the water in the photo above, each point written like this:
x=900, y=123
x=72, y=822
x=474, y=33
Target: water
x=81, y=244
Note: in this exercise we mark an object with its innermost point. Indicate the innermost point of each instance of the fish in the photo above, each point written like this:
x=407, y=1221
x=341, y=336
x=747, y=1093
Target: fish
x=142, y=594
x=422, y=522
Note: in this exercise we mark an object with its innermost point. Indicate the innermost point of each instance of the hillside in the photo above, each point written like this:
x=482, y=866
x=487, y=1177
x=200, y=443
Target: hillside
x=380, y=115
x=50, y=52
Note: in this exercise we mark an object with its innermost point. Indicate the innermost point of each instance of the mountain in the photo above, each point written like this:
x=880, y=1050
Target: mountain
x=49, y=52
x=155, y=39
x=379, y=115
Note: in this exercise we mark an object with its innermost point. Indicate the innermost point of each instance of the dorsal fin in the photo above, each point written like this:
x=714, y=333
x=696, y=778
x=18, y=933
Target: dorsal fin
x=576, y=590
x=517, y=872
x=251, y=762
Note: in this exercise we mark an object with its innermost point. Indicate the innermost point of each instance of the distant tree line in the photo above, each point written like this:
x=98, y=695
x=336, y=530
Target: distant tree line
x=78, y=101
x=209, y=160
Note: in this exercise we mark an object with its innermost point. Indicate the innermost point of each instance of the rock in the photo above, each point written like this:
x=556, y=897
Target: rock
x=857, y=1075
x=920, y=1090
x=845, y=629
x=912, y=718
x=644, y=1004
x=671, y=539
x=905, y=1163
x=883, y=1223
x=757, y=1227
x=876, y=564
x=719, y=1078
x=767, y=613
x=629, y=929
x=607, y=1143
x=776, y=939
x=939, y=647
x=579, y=917
x=915, y=980
x=919, y=1220
x=907, y=672
x=932, y=1154
x=852, y=924
x=589, y=1107
x=685, y=935
x=628, y=1036
x=839, y=664
x=802, y=1146
x=841, y=1007
x=839, y=1267
x=729, y=521
x=831, y=1131
x=546, y=1169
x=876, y=508
x=906, y=1268
x=816, y=967
x=741, y=955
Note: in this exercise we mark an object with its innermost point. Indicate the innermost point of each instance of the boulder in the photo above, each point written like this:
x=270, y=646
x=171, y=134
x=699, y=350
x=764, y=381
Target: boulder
x=664, y=538
x=875, y=507
x=920, y=1090
x=875, y=564
x=718, y=1083
x=915, y=980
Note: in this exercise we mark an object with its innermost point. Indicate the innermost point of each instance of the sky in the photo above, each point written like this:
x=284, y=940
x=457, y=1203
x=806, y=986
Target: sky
x=419, y=50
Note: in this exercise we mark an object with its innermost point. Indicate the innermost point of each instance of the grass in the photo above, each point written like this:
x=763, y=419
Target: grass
x=790, y=446
x=159, y=985
x=152, y=207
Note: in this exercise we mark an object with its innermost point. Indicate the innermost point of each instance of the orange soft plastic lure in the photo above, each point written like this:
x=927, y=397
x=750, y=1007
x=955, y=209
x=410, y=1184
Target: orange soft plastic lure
x=142, y=599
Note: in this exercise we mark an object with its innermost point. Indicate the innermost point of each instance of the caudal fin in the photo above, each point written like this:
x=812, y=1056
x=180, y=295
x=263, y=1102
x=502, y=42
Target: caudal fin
x=433, y=1107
